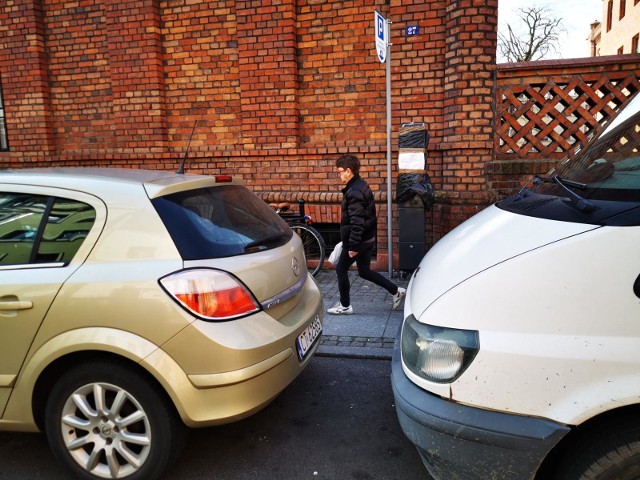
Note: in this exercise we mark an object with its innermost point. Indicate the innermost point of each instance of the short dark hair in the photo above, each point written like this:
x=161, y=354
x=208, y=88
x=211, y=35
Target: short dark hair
x=349, y=161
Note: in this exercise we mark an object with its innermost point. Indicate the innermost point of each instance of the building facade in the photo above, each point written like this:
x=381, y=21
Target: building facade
x=620, y=29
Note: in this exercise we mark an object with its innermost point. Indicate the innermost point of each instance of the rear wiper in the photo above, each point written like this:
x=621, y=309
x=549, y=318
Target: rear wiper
x=264, y=243
x=577, y=201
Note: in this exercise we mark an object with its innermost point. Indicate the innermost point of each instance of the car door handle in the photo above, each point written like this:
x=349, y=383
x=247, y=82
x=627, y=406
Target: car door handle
x=16, y=305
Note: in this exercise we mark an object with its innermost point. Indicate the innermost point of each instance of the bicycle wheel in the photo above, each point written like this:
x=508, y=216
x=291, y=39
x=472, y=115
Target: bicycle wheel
x=313, y=246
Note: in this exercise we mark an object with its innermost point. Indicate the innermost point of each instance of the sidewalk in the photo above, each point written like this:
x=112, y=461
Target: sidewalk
x=370, y=331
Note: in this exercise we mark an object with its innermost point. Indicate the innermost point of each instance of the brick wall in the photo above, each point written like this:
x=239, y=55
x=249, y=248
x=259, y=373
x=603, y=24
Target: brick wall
x=25, y=82
x=275, y=91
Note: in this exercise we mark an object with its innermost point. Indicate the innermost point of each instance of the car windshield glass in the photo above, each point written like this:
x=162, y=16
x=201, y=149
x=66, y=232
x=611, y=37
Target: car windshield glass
x=608, y=169
x=222, y=221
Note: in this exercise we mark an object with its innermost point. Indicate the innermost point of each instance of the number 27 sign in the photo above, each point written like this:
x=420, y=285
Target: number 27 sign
x=412, y=30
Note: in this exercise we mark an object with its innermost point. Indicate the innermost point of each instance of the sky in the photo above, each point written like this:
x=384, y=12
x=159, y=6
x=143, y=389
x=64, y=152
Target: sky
x=577, y=16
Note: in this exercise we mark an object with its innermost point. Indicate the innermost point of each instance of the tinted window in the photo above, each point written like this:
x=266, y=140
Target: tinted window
x=220, y=222
x=41, y=229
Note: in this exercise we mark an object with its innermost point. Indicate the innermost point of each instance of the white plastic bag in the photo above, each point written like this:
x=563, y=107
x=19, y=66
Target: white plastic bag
x=335, y=255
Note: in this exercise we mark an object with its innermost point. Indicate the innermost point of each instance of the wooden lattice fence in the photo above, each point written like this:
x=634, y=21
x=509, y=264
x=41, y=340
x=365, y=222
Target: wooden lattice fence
x=548, y=109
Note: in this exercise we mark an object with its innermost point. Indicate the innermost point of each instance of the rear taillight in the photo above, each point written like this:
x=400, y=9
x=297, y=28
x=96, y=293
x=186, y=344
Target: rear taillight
x=210, y=294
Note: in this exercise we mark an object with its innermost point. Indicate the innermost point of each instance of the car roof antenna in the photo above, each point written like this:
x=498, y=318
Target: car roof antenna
x=181, y=169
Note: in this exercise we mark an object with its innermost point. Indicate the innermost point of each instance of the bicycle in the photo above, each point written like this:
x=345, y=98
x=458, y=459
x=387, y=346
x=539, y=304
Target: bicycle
x=300, y=223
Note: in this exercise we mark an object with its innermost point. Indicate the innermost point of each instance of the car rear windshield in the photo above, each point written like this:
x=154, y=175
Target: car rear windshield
x=221, y=221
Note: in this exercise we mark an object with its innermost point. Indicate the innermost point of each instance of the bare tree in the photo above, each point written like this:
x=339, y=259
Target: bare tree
x=539, y=34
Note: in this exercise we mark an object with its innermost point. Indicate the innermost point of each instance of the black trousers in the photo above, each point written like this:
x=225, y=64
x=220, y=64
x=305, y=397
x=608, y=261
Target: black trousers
x=363, y=262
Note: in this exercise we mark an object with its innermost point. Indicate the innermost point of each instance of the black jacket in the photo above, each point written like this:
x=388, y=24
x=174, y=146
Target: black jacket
x=358, y=222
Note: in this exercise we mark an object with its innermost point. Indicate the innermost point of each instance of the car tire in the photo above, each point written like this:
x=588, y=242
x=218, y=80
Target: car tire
x=105, y=420
x=611, y=453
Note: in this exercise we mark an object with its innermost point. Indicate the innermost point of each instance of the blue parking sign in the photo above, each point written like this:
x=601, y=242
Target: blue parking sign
x=381, y=35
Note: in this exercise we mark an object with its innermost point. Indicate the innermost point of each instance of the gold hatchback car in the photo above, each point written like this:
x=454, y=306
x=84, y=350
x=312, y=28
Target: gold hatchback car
x=135, y=303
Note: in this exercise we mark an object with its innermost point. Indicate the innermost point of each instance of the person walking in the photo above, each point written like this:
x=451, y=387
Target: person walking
x=358, y=230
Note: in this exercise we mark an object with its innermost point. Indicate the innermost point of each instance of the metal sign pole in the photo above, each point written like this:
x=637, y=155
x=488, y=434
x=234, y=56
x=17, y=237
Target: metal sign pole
x=383, y=48
x=389, y=215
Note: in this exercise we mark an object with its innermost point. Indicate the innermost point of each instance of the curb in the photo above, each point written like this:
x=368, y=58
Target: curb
x=356, y=347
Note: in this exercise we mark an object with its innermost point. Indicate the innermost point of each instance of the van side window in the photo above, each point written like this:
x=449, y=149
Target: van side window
x=41, y=229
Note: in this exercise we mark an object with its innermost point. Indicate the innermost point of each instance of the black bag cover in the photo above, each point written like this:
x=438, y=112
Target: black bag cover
x=411, y=184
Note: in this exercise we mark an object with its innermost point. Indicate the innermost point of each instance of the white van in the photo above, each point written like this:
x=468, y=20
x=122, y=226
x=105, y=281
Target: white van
x=519, y=356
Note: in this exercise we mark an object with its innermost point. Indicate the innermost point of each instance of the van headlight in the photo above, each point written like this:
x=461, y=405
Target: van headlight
x=437, y=354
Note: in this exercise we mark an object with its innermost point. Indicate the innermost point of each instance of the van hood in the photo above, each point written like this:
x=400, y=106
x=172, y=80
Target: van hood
x=488, y=238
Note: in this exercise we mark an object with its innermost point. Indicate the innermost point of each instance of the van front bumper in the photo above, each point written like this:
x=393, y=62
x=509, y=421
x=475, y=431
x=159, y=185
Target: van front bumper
x=461, y=442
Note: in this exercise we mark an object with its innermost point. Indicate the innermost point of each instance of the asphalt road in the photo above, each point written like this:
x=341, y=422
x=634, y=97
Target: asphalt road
x=336, y=421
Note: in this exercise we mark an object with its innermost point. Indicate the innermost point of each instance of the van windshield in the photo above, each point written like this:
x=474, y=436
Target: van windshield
x=599, y=182
x=610, y=167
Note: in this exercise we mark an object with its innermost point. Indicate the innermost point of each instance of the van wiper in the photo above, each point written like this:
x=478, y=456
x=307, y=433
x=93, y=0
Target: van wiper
x=577, y=201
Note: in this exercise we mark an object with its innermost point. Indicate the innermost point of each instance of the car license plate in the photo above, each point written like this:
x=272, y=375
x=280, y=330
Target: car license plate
x=308, y=337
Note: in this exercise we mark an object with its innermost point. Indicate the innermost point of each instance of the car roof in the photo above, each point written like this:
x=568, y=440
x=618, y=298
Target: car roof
x=156, y=182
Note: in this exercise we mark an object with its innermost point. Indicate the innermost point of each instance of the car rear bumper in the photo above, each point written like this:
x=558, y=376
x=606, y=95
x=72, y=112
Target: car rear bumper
x=203, y=406
x=461, y=442
x=265, y=363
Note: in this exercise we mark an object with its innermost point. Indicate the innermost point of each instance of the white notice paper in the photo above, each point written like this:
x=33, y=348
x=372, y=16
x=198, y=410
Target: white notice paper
x=411, y=161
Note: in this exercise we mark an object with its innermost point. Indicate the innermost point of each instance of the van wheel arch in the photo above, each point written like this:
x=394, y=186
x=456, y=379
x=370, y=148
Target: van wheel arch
x=613, y=438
